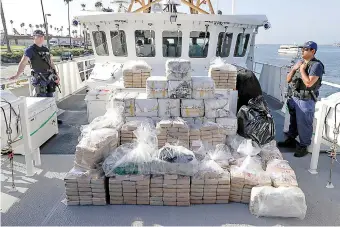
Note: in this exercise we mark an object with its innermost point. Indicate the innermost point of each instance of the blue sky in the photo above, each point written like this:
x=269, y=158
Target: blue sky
x=291, y=20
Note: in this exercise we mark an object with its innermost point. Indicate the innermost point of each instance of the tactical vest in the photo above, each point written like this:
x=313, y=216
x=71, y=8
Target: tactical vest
x=298, y=84
x=38, y=64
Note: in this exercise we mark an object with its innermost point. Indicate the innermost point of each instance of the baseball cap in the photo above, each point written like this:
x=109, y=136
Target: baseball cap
x=311, y=45
x=38, y=33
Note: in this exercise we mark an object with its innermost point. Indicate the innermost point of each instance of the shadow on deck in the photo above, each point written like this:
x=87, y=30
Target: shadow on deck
x=38, y=201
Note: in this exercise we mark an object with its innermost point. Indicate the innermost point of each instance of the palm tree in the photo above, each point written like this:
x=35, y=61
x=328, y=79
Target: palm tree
x=5, y=28
x=99, y=5
x=83, y=6
x=11, y=21
x=31, y=27
x=69, y=23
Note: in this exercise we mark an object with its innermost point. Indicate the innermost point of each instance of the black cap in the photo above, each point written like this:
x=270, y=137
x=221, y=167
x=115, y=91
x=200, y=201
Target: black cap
x=38, y=33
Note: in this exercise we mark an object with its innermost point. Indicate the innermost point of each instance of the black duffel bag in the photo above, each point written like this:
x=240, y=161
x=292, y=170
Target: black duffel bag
x=255, y=121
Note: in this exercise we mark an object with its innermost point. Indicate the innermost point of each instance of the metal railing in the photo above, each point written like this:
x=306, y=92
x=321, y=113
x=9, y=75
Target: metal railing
x=73, y=76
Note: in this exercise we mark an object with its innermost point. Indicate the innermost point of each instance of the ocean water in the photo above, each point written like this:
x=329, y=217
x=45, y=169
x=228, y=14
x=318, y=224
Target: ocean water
x=329, y=55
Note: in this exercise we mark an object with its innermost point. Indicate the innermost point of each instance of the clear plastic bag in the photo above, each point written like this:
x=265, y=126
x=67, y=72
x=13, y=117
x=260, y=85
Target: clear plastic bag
x=286, y=202
x=94, y=147
x=234, y=141
x=253, y=172
x=269, y=152
x=133, y=158
x=136, y=66
x=281, y=173
x=248, y=147
x=174, y=160
x=80, y=173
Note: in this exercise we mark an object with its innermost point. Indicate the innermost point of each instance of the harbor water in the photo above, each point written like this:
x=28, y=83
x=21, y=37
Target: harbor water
x=329, y=55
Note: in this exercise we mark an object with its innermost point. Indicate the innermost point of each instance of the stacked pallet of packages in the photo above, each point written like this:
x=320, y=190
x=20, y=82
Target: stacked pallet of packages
x=176, y=190
x=224, y=75
x=98, y=188
x=156, y=190
x=135, y=74
x=72, y=192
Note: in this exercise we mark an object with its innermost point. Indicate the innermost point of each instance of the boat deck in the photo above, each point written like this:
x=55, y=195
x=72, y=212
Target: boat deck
x=38, y=200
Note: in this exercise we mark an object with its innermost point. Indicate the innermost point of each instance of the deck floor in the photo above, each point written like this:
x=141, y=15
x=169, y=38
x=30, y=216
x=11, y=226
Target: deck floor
x=38, y=200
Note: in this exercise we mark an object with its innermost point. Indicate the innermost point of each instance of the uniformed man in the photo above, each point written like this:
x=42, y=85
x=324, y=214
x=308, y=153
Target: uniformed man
x=304, y=82
x=45, y=77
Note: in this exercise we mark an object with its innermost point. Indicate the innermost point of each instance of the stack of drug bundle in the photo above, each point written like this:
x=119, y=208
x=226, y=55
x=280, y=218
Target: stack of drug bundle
x=157, y=87
x=135, y=74
x=223, y=188
x=196, y=190
x=143, y=189
x=71, y=189
x=212, y=134
x=115, y=190
x=126, y=132
x=85, y=191
x=173, y=131
x=98, y=188
x=251, y=180
x=176, y=190
x=224, y=75
x=210, y=190
x=237, y=183
x=129, y=191
x=156, y=190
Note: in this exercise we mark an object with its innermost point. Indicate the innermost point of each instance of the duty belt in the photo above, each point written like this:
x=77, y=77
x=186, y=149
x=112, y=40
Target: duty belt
x=304, y=94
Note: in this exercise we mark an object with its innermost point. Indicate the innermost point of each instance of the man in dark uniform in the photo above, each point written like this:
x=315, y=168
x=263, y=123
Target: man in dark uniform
x=304, y=83
x=45, y=77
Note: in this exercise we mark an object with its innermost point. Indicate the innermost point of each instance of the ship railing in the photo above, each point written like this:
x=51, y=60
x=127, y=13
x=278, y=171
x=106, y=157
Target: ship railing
x=73, y=76
x=273, y=82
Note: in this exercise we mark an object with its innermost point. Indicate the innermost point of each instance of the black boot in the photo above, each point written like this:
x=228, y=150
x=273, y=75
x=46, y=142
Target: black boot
x=289, y=143
x=300, y=152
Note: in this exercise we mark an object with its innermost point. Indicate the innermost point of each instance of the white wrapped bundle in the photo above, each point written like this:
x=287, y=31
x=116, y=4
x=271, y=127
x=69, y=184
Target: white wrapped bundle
x=127, y=100
x=192, y=108
x=224, y=75
x=229, y=124
x=203, y=87
x=281, y=173
x=179, y=89
x=178, y=69
x=217, y=107
x=169, y=107
x=285, y=202
x=136, y=67
x=146, y=107
x=253, y=172
x=157, y=87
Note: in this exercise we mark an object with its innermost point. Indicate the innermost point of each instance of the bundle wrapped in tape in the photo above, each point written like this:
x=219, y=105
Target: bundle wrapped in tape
x=269, y=152
x=178, y=69
x=127, y=100
x=286, y=202
x=157, y=87
x=224, y=75
x=172, y=159
x=253, y=172
x=169, y=108
x=134, y=158
x=180, y=89
x=146, y=107
x=192, y=108
x=281, y=173
x=229, y=124
x=95, y=146
x=203, y=87
x=136, y=67
x=217, y=107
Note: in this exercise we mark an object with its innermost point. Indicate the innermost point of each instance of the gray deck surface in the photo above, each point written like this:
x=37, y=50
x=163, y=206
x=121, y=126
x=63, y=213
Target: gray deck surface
x=39, y=197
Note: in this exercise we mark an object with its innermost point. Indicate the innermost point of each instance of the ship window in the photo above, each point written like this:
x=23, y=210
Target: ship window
x=199, y=44
x=241, y=45
x=224, y=44
x=145, y=43
x=100, y=43
x=118, y=41
x=172, y=44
